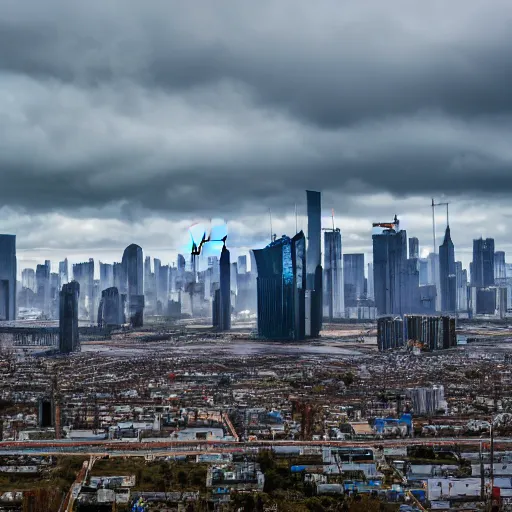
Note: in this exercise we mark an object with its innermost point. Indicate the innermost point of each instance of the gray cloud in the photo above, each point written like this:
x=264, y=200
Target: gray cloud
x=135, y=111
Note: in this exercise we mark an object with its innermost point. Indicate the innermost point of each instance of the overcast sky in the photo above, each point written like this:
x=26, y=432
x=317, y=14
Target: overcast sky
x=126, y=121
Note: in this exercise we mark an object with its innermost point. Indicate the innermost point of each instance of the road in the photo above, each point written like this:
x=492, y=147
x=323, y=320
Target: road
x=181, y=448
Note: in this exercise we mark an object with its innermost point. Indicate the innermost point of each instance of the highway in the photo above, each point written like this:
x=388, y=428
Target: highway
x=183, y=448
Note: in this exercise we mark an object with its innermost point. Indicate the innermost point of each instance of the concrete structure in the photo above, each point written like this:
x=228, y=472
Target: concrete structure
x=461, y=285
x=28, y=279
x=8, y=277
x=68, y=317
x=370, y=288
x=133, y=266
x=500, y=271
x=334, y=303
x=106, y=276
x=64, y=271
x=414, y=248
x=390, y=333
x=83, y=274
x=429, y=333
x=43, y=287
x=353, y=278
x=313, y=262
x=111, y=308
x=222, y=301
x=482, y=267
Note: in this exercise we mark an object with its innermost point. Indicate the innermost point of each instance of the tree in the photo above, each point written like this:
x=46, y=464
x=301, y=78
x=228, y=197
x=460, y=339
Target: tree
x=348, y=379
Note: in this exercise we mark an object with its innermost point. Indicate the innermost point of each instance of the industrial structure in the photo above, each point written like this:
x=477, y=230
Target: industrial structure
x=421, y=332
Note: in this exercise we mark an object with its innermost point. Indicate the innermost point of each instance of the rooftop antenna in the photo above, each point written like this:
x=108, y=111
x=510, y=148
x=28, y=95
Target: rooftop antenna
x=270, y=218
x=296, y=222
x=434, y=224
x=332, y=215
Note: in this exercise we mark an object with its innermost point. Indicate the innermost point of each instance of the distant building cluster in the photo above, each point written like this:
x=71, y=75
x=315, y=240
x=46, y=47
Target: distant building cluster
x=416, y=332
x=289, y=285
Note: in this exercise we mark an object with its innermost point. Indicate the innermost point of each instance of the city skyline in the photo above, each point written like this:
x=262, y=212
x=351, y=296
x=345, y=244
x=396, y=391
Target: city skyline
x=356, y=236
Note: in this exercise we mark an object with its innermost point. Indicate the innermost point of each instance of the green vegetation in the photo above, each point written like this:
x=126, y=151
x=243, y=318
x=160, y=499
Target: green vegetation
x=158, y=476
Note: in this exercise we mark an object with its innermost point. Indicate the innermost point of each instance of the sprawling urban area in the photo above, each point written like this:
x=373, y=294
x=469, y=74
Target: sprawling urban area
x=282, y=381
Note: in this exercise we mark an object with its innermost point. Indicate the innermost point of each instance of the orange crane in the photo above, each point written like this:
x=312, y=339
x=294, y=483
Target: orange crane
x=388, y=225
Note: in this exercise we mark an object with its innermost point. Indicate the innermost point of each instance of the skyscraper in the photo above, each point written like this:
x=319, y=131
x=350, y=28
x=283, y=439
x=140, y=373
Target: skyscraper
x=389, y=269
x=133, y=266
x=119, y=276
x=333, y=275
x=462, y=286
x=414, y=248
x=447, y=274
x=499, y=266
x=83, y=274
x=222, y=299
x=43, y=287
x=28, y=279
x=106, y=276
x=8, y=277
x=281, y=287
x=482, y=269
x=353, y=278
x=181, y=262
x=64, y=271
x=313, y=261
x=111, y=308
x=68, y=317
x=242, y=264
x=370, y=288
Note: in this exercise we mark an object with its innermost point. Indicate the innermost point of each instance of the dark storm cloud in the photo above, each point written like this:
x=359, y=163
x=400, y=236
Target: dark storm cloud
x=206, y=107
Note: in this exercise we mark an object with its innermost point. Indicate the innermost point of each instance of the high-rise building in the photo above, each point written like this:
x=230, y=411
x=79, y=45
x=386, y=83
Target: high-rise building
x=242, y=264
x=281, y=287
x=68, y=317
x=414, y=248
x=119, y=275
x=313, y=262
x=389, y=269
x=423, y=269
x=334, y=303
x=111, y=309
x=447, y=274
x=370, y=291
x=462, y=286
x=8, y=277
x=28, y=279
x=106, y=276
x=181, y=262
x=222, y=299
x=353, y=278
x=162, y=286
x=64, y=271
x=499, y=265
x=43, y=287
x=133, y=266
x=434, y=276
x=83, y=274
x=482, y=268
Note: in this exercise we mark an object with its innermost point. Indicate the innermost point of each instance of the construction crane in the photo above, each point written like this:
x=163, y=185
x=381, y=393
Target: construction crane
x=388, y=225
